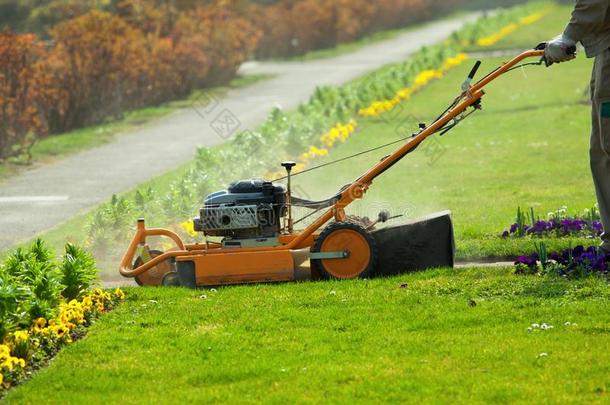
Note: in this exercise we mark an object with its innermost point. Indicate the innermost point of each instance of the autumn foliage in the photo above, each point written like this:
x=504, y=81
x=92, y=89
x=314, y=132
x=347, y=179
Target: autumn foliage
x=23, y=93
x=98, y=62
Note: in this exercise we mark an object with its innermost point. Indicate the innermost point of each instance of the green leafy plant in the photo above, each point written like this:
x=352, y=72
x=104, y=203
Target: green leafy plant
x=44, y=282
x=10, y=304
x=79, y=271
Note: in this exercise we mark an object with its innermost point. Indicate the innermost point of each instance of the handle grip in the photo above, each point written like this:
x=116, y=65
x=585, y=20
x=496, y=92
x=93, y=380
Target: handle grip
x=473, y=72
x=571, y=50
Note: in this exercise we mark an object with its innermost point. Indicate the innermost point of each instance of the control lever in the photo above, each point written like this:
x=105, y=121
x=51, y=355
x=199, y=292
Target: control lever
x=473, y=72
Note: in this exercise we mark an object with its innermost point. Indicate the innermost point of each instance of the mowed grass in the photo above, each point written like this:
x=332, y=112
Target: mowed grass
x=528, y=147
x=440, y=336
x=446, y=336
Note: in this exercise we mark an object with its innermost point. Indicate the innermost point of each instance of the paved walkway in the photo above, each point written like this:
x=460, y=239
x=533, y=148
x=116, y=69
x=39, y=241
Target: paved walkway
x=46, y=196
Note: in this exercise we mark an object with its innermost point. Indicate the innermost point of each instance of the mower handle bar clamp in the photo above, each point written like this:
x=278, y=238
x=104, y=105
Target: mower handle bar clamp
x=349, y=194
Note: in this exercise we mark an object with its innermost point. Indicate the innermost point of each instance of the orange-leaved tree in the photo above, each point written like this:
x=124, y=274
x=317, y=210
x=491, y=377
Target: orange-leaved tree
x=98, y=66
x=23, y=93
x=213, y=41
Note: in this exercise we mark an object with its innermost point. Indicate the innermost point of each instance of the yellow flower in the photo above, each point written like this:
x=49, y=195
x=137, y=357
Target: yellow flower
x=530, y=19
x=119, y=294
x=189, y=227
x=4, y=350
x=7, y=364
x=40, y=323
x=21, y=336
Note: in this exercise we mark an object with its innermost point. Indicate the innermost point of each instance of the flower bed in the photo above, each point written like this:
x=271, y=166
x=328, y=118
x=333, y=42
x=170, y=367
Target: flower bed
x=44, y=305
x=557, y=224
x=571, y=263
x=492, y=29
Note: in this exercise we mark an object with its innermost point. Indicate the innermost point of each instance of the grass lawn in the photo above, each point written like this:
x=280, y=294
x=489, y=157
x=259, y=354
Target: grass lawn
x=439, y=336
x=458, y=336
x=528, y=148
x=61, y=145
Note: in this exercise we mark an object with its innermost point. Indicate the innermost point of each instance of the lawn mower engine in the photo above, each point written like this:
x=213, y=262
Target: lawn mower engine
x=248, y=209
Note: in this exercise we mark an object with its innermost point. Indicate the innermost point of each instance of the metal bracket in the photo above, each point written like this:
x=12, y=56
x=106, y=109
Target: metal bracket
x=329, y=255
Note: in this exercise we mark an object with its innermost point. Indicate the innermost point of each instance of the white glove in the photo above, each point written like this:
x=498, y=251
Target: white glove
x=557, y=50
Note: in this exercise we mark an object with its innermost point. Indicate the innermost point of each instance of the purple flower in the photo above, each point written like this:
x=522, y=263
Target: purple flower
x=597, y=228
x=577, y=251
x=574, y=262
x=539, y=228
x=528, y=261
x=513, y=228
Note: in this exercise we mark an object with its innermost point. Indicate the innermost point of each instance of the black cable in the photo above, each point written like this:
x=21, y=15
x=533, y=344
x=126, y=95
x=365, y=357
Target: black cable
x=346, y=158
x=524, y=64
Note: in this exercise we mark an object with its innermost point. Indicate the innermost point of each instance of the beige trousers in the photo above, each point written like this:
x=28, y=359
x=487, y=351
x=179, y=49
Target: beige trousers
x=600, y=139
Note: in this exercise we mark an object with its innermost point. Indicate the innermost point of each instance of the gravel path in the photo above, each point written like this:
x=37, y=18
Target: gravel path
x=46, y=196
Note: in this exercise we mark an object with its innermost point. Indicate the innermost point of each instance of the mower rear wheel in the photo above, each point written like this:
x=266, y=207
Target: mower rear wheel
x=351, y=238
x=155, y=275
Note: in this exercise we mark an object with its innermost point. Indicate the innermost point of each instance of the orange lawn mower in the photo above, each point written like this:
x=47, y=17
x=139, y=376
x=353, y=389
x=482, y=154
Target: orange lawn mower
x=254, y=220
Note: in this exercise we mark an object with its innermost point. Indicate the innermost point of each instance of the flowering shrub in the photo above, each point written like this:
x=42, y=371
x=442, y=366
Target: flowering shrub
x=294, y=28
x=45, y=304
x=571, y=263
x=557, y=224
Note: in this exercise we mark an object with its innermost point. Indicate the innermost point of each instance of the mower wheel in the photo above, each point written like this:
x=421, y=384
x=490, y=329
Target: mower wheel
x=352, y=238
x=171, y=279
x=155, y=275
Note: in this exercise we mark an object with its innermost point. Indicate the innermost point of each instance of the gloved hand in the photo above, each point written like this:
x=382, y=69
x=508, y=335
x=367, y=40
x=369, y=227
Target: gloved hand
x=556, y=50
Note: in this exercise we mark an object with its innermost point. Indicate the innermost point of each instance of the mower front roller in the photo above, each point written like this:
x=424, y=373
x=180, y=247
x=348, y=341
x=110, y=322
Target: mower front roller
x=155, y=275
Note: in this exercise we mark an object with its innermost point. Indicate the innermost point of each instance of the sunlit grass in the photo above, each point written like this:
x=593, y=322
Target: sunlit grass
x=446, y=336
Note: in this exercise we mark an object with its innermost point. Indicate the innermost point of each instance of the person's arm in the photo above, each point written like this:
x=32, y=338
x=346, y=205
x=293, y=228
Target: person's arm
x=587, y=17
